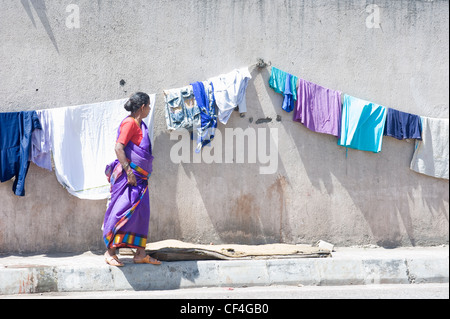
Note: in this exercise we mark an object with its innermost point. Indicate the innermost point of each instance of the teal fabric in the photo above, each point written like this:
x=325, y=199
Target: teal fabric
x=362, y=124
x=277, y=82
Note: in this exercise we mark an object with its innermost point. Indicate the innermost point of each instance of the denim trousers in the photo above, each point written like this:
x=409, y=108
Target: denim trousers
x=182, y=110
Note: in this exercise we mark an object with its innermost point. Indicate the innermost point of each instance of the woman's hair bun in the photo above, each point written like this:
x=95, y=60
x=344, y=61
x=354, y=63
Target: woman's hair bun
x=128, y=106
x=136, y=101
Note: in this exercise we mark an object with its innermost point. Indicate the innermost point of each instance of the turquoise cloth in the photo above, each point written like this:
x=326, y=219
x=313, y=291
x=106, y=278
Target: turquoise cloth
x=362, y=124
x=277, y=82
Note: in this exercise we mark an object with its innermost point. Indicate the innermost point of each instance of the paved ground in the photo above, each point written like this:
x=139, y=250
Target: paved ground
x=387, y=291
x=347, y=267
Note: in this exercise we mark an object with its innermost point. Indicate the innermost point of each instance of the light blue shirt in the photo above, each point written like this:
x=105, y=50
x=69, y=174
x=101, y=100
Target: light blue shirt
x=362, y=125
x=229, y=92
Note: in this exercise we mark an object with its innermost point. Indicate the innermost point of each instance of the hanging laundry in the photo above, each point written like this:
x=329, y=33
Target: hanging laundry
x=318, y=108
x=204, y=95
x=401, y=125
x=288, y=102
x=83, y=139
x=431, y=156
x=230, y=91
x=150, y=120
x=16, y=130
x=362, y=124
x=181, y=111
x=41, y=144
x=284, y=83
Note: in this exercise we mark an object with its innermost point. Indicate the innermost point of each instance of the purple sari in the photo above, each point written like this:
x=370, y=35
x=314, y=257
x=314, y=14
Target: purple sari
x=128, y=215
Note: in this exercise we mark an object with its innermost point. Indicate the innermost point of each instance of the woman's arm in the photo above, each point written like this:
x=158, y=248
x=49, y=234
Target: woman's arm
x=120, y=153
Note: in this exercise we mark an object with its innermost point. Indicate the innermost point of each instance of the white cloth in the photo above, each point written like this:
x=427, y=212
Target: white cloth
x=150, y=120
x=83, y=139
x=431, y=156
x=40, y=142
x=230, y=91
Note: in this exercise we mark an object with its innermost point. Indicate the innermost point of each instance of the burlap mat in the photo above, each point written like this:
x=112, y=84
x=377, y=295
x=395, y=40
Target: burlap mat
x=175, y=250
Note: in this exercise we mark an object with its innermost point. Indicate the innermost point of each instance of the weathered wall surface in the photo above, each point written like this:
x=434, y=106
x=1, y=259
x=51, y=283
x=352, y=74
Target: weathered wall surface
x=316, y=193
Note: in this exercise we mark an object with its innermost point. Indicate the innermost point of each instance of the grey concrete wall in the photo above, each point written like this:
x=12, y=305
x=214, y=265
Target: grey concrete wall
x=316, y=193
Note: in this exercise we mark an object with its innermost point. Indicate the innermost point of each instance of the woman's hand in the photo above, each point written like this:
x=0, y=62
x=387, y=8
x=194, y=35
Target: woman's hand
x=131, y=178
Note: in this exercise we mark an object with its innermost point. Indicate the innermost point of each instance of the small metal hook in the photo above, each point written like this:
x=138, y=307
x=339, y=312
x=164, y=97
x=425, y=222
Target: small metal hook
x=262, y=64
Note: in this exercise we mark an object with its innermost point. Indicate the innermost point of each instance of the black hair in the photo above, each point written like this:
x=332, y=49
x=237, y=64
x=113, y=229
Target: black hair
x=136, y=101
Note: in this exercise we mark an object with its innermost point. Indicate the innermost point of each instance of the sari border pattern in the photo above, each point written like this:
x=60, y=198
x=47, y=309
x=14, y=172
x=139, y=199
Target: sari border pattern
x=114, y=238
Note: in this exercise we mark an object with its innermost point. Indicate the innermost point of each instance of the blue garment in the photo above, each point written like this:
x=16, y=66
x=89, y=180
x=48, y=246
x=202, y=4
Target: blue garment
x=289, y=101
x=181, y=109
x=401, y=125
x=362, y=124
x=204, y=96
x=16, y=130
x=277, y=81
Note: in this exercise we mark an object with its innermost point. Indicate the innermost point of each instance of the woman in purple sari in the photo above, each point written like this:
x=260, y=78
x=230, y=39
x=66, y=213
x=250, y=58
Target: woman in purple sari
x=128, y=214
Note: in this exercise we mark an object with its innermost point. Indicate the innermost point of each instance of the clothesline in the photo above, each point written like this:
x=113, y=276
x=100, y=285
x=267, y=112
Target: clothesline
x=340, y=92
x=213, y=100
x=261, y=63
x=361, y=124
x=357, y=123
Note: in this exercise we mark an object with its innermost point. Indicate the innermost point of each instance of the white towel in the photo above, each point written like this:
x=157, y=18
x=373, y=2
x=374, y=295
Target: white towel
x=83, y=139
x=431, y=156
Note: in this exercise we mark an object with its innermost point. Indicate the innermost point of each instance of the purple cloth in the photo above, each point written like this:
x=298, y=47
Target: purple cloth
x=318, y=108
x=401, y=125
x=123, y=226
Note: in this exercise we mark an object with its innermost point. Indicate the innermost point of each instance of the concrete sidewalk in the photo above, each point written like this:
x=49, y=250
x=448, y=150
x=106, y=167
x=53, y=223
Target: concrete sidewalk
x=347, y=266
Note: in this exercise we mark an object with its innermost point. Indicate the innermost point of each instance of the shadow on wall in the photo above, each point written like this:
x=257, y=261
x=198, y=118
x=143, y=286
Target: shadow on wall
x=49, y=219
x=245, y=207
x=239, y=209
x=164, y=219
x=41, y=10
x=381, y=186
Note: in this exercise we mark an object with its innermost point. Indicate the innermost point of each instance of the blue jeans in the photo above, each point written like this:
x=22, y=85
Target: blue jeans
x=181, y=109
